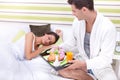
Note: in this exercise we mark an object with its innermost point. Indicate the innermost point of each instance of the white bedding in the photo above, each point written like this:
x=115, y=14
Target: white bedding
x=13, y=69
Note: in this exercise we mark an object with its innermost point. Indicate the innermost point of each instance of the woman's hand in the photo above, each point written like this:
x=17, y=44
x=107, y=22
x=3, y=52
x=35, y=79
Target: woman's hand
x=59, y=32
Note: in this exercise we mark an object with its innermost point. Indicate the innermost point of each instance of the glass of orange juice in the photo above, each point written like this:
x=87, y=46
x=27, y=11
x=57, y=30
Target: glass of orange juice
x=69, y=56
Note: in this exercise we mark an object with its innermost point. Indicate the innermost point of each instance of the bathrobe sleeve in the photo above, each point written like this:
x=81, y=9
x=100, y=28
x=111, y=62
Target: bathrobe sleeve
x=71, y=43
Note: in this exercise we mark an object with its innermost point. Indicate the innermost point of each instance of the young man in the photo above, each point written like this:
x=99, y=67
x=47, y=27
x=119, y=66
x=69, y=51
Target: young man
x=95, y=37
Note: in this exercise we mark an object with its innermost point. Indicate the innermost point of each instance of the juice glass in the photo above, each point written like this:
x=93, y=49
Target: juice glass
x=69, y=56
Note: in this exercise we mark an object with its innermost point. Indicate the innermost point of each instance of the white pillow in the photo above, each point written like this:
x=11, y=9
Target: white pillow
x=9, y=30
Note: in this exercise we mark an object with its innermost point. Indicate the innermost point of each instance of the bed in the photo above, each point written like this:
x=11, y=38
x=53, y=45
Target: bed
x=14, y=69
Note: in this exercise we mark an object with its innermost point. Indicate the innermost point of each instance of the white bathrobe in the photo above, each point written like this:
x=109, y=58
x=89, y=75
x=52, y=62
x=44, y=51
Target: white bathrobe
x=102, y=44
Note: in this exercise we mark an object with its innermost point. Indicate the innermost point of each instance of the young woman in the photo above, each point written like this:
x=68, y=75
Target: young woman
x=33, y=42
x=30, y=46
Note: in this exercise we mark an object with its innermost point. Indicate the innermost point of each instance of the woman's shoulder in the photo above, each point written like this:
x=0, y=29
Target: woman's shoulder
x=30, y=34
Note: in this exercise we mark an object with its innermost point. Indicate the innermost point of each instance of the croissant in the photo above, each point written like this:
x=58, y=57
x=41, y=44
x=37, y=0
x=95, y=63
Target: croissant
x=51, y=57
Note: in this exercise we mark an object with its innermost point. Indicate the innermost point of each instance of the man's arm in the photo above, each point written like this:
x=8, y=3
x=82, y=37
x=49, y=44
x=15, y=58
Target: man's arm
x=76, y=74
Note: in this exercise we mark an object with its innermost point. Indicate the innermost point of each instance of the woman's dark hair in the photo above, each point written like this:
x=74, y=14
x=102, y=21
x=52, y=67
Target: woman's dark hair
x=54, y=34
x=82, y=3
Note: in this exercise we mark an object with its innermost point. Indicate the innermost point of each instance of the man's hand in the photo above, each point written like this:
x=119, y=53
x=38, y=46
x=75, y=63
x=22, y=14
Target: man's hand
x=77, y=70
x=77, y=64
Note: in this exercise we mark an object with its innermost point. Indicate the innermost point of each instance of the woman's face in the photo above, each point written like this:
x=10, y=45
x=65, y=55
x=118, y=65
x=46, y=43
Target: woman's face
x=48, y=39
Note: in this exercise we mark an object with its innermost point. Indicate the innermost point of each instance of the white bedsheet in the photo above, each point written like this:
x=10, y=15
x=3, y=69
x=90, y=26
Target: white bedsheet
x=10, y=67
x=13, y=69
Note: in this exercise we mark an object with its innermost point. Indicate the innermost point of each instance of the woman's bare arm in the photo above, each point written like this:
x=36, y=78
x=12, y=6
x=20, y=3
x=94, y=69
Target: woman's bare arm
x=29, y=54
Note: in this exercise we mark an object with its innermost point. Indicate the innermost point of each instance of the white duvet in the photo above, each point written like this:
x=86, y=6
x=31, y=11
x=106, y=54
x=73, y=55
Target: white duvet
x=12, y=68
